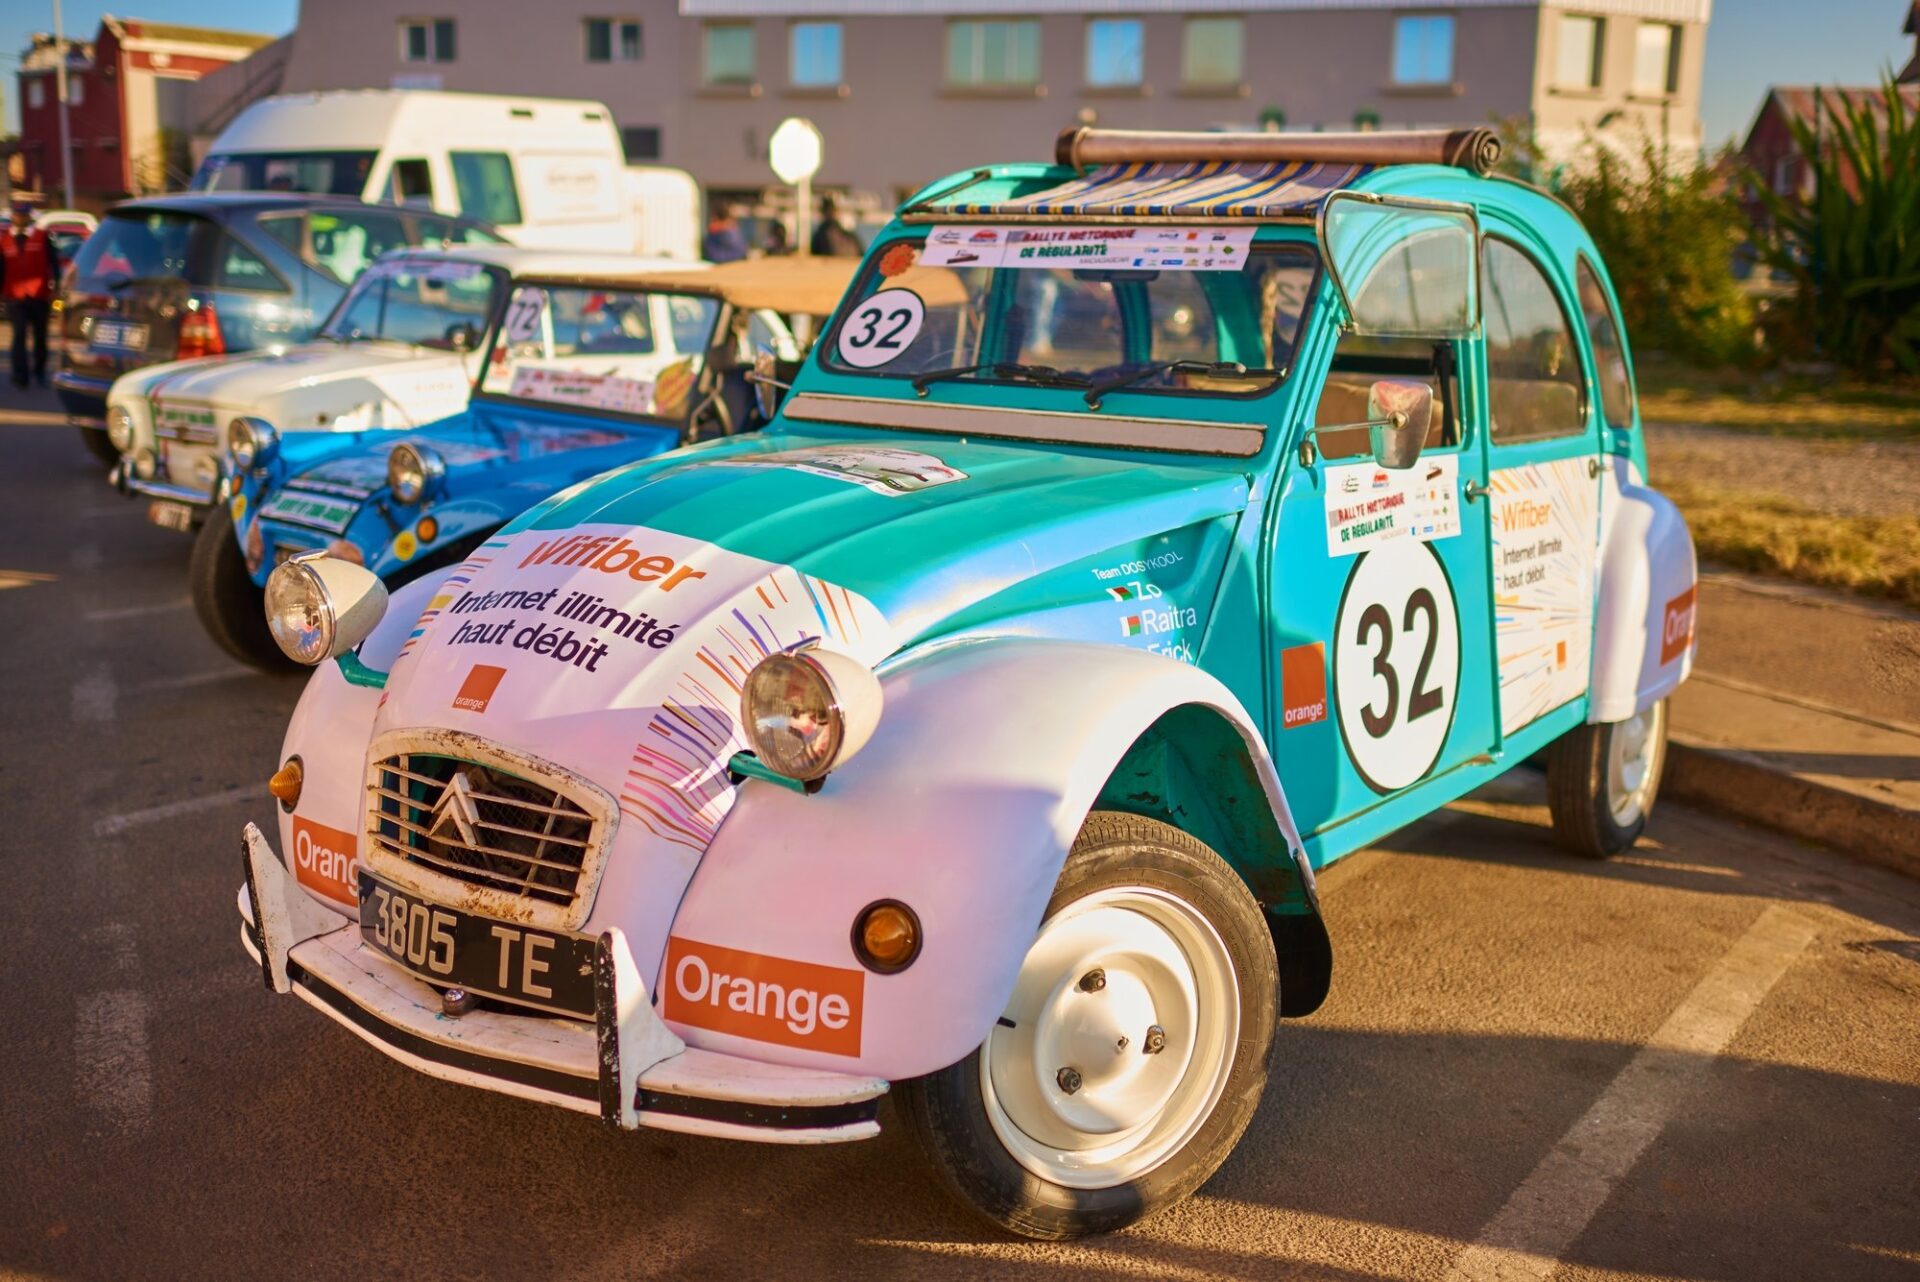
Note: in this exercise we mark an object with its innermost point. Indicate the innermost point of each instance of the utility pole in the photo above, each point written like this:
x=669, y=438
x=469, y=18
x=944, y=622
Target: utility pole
x=60, y=92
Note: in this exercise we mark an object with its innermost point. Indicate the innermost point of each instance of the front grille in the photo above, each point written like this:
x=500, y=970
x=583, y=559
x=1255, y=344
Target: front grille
x=482, y=825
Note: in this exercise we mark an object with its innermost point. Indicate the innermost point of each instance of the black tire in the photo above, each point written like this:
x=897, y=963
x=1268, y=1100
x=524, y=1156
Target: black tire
x=946, y=1111
x=98, y=444
x=1580, y=796
x=231, y=607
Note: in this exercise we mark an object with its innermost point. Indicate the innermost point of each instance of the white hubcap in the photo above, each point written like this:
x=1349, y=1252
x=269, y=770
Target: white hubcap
x=1118, y=1039
x=1633, y=763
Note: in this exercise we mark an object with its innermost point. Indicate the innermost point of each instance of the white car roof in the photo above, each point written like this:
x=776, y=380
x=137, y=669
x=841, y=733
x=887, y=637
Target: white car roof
x=555, y=264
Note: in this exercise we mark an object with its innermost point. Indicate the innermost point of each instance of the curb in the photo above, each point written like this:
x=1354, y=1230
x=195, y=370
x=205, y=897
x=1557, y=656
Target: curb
x=1744, y=786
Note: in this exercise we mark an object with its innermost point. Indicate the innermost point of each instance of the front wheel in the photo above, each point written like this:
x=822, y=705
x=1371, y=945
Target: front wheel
x=232, y=608
x=1602, y=780
x=1133, y=1050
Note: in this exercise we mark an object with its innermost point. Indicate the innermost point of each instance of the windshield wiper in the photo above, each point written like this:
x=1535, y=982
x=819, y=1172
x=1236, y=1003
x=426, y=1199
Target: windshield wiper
x=1001, y=369
x=1218, y=369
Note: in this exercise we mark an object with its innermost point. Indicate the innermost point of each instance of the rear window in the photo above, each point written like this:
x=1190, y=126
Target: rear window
x=145, y=245
x=320, y=173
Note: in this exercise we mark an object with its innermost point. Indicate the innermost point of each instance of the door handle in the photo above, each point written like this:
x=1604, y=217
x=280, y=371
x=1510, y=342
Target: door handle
x=1474, y=490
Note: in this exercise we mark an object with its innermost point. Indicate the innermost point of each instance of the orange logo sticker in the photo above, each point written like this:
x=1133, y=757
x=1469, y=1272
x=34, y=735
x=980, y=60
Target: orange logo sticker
x=1676, y=632
x=1303, y=685
x=768, y=999
x=323, y=860
x=476, y=692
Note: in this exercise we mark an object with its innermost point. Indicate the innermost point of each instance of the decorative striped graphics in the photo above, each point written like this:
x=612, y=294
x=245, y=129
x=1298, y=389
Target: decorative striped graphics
x=1194, y=189
x=1546, y=521
x=677, y=783
x=450, y=587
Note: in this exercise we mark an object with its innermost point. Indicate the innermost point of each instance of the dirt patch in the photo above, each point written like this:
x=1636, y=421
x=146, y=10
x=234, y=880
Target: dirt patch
x=1875, y=478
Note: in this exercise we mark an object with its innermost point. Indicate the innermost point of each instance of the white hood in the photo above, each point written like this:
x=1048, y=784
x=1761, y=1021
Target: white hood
x=322, y=386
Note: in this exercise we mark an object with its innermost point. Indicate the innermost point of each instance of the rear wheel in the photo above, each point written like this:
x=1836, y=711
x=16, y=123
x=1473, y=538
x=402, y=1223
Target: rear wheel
x=98, y=444
x=1602, y=781
x=232, y=608
x=1133, y=1050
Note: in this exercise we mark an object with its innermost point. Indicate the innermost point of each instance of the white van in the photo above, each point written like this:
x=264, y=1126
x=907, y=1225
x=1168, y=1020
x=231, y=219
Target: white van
x=548, y=172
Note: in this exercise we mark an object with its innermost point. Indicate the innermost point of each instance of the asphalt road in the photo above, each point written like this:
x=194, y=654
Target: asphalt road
x=1700, y=1062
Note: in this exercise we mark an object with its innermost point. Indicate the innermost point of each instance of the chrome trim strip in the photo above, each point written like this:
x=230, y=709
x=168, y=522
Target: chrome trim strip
x=1167, y=435
x=177, y=493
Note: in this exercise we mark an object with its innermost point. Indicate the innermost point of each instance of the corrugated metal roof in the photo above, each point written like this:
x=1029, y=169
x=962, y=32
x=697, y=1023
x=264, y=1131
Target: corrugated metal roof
x=1210, y=189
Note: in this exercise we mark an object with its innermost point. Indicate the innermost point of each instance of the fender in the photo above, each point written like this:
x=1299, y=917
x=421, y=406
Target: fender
x=988, y=756
x=1643, y=631
x=466, y=517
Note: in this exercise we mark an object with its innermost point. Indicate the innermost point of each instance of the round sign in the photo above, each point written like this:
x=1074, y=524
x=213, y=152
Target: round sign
x=881, y=328
x=522, y=320
x=1396, y=663
x=794, y=150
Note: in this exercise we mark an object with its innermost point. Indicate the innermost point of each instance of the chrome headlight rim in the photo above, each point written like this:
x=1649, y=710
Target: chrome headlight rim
x=120, y=427
x=328, y=620
x=846, y=700
x=414, y=472
x=251, y=442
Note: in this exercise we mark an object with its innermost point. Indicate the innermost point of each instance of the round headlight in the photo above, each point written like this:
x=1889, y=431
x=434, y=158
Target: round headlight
x=145, y=465
x=250, y=441
x=805, y=712
x=412, y=471
x=120, y=428
x=299, y=614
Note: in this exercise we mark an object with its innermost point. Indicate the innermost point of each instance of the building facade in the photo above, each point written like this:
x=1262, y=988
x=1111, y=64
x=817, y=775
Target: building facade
x=128, y=106
x=906, y=90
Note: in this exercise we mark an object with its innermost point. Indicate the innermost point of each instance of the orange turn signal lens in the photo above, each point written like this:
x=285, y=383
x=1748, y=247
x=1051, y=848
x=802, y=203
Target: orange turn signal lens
x=886, y=936
x=428, y=530
x=286, y=782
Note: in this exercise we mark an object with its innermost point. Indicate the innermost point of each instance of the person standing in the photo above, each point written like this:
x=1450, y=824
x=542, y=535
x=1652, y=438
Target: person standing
x=723, y=243
x=31, y=273
x=831, y=239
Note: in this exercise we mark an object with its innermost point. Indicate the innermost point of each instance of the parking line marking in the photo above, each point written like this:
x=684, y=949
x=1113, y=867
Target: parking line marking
x=135, y=611
x=113, y=824
x=1554, y=1205
x=111, y=1058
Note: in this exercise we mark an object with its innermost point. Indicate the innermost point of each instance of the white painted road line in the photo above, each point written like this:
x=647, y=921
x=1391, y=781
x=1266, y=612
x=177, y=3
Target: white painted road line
x=111, y=1059
x=113, y=824
x=1550, y=1210
x=136, y=611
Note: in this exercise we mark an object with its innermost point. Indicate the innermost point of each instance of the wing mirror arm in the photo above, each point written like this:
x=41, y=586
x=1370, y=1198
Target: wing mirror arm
x=1402, y=413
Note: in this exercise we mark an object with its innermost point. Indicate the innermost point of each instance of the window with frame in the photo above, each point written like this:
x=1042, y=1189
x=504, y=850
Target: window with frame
x=483, y=181
x=1609, y=352
x=993, y=54
x=36, y=92
x=345, y=241
x=1115, y=53
x=611, y=39
x=240, y=268
x=727, y=55
x=640, y=142
x=1423, y=49
x=1359, y=360
x=1578, y=59
x=410, y=182
x=1656, y=59
x=813, y=55
x=1535, y=387
x=1213, y=52
x=76, y=89
x=427, y=40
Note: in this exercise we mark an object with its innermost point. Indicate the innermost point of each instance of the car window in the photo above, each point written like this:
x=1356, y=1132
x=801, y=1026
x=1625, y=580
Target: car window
x=134, y=245
x=238, y=267
x=1609, y=354
x=1358, y=361
x=324, y=173
x=422, y=301
x=1535, y=388
x=345, y=241
x=591, y=348
x=692, y=321
x=483, y=180
x=410, y=183
x=287, y=230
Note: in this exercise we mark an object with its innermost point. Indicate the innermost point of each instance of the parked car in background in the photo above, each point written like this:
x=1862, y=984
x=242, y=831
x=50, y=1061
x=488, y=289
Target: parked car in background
x=1148, y=530
x=174, y=277
x=68, y=229
x=402, y=349
x=587, y=369
x=549, y=172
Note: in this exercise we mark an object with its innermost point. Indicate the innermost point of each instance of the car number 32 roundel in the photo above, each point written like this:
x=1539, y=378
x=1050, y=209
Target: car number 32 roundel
x=882, y=328
x=1396, y=663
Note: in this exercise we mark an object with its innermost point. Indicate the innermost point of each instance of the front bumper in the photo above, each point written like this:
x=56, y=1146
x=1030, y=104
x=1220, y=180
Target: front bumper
x=627, y=1067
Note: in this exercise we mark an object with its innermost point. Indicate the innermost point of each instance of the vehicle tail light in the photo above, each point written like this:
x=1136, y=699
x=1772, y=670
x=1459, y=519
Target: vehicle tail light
x=200, y=331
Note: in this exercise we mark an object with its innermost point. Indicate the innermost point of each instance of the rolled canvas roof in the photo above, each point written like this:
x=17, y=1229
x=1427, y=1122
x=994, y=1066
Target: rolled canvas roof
x=1187, y=189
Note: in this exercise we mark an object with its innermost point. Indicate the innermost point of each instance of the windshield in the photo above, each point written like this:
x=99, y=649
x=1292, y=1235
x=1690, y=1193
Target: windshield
x=137, y=245
x=1158, y=308
x=324, y=173
x=424, y=302
x=623, y=350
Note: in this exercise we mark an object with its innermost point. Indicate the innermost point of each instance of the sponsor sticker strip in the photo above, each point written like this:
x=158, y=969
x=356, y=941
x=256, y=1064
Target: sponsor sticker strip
x=1369, y=505
x=1545, y=520
x=1188, y=249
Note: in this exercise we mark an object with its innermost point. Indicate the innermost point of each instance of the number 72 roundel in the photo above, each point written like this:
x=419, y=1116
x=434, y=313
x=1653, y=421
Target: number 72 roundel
x=1396, y=663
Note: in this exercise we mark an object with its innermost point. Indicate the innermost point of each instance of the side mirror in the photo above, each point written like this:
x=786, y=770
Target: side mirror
x=767, y=389
x=1405, y=268
x=1399, y=413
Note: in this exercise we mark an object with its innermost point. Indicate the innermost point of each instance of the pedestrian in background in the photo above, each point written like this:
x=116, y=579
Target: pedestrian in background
x=723, y=242
x=31, y=274
x=777, y=242
x=830, y=238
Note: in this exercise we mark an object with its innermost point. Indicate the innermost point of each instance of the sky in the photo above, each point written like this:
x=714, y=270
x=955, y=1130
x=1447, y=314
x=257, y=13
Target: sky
x=1750, y=43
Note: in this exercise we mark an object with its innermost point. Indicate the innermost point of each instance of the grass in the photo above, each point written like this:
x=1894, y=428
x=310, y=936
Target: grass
x=1800, y=405
x=1874, y=556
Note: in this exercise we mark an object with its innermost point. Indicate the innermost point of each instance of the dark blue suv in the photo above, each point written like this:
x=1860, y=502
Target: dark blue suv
x=174, y=277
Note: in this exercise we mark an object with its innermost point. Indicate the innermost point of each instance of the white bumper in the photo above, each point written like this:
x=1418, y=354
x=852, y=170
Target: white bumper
x=627, y=1067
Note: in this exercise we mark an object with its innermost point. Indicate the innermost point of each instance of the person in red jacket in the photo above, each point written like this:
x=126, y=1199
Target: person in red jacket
x=31, y=275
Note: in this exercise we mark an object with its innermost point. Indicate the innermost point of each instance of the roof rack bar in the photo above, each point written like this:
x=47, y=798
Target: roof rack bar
x=1476, y=149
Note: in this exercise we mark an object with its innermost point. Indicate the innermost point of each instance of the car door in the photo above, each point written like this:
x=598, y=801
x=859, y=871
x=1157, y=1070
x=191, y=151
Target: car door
x=1543, y=461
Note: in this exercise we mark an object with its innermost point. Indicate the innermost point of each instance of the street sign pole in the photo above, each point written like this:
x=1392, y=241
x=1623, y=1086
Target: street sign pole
x=795, y=151
x=60, y=92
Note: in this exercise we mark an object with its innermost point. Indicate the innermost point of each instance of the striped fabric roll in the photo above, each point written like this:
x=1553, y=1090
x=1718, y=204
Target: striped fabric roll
x=1198, y=189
